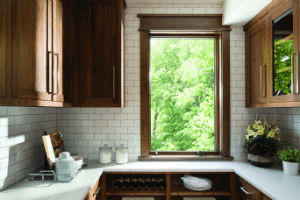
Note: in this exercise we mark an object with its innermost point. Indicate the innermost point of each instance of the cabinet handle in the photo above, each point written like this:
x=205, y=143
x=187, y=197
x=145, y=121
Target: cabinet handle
x=48, y=71
x=262, y=85
x=246, y=192
x=114, y=82
x=95, y=193
x=295, y=73
x=57, y=75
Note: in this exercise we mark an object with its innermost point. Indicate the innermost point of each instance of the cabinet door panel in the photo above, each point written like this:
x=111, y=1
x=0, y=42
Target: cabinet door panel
x=29, y=50
x=3, y=46
x=57, y=50
x=97, y=53
x=257, y=64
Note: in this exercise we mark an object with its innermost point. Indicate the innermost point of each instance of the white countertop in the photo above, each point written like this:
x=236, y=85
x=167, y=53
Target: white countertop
x=271, y=182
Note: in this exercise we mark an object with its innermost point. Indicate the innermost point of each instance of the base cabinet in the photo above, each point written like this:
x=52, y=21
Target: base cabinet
x=247, y=191
x=164, y=186
x=94, y=193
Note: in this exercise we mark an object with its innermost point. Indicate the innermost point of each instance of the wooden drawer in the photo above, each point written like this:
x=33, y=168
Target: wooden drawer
x=248, y=191
x=264, y=197
x=92, y=195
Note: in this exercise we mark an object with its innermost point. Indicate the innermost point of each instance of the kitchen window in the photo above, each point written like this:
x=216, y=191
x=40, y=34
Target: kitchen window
x=167, y=83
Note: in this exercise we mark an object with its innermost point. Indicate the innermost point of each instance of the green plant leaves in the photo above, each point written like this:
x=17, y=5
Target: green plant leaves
x=182, y=95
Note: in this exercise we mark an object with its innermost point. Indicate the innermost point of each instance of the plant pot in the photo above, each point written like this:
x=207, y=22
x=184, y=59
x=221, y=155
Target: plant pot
x=290, y=168
x=260, y=161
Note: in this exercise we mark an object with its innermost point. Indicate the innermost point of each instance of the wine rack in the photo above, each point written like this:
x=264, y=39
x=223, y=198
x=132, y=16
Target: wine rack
x=165, y=185
x=127, y=185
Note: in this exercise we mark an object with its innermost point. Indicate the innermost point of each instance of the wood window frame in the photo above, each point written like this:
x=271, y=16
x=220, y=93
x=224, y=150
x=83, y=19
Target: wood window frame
x=188, y=26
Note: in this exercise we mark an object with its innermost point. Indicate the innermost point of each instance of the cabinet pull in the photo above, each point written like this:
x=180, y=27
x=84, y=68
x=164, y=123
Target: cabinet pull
x=95, y=193
x=114, y=82
x=295, y=73
x=48, y=71
x=57, y=75
x=246, y=192
x=262, y=78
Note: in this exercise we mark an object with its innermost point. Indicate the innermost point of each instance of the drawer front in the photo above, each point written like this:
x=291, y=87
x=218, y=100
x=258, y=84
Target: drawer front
x=265, y=197
x=92, y=195
x=248, y=191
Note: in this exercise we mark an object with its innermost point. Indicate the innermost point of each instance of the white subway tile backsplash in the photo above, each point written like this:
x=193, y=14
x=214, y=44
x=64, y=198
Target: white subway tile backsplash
x=21, y=129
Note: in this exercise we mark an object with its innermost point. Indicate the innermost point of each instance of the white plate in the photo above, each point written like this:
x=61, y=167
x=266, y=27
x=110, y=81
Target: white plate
x=196, y=182
x=196, y=189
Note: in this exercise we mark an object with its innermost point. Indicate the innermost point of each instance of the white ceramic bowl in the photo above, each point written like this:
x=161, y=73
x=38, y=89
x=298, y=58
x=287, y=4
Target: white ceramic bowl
x=78, y=161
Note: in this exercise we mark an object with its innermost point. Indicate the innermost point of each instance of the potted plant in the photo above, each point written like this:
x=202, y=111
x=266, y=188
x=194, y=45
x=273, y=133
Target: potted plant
x=262, y=142
x=290, y=160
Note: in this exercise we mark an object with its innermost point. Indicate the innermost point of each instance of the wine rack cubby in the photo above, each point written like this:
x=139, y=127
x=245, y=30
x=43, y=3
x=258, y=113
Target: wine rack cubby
x=165, y=185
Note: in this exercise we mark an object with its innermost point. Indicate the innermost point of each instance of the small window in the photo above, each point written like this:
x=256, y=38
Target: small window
x=185, y=87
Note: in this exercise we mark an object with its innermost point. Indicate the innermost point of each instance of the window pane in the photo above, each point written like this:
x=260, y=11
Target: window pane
x=182, y=94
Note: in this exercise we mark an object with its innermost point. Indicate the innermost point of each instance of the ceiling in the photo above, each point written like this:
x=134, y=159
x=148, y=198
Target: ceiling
x=239, y=12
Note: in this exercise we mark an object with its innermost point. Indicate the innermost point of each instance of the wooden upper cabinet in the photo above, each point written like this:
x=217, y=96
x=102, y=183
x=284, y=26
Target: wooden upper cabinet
x=257, y=62
x=100, y=56
x=57, y=39
x=31, y=53
x=272, y=56
x=3, y=47
x=29, y=50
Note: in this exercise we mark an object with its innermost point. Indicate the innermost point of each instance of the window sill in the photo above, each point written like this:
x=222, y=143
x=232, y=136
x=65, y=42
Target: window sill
x=185, y=158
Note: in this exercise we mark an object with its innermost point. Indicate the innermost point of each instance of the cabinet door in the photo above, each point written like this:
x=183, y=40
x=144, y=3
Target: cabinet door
x=29, y=49
x=98, y=55
x=256, y=65
x=57, y=51
x=3, y=49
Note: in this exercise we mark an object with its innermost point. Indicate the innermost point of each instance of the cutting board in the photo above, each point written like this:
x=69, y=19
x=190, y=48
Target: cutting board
x=49, y=150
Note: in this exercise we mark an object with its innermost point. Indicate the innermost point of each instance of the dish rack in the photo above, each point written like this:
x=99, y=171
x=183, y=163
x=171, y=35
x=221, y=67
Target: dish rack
x=50, y=175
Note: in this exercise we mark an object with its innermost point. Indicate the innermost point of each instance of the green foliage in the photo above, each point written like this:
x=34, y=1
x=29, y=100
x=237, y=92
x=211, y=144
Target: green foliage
x=182, y=95
x=289, y=155
x=282, y=66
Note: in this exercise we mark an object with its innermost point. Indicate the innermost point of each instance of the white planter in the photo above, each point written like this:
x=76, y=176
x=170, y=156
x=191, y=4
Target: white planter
x=290, y=168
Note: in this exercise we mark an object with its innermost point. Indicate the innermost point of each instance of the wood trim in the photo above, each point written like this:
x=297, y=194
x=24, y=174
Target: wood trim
x=145, y=93
x=225, y=95
x=149, y=24
x=266, y=12
x=217, y=94
x=168, y=186
x=181, y=153
x=124, y=4
x=185, y=158
x=247, y=70
x=233, y=186
x=178, y=16
x=276, y=105
x=182, y=23
x=103, y=186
